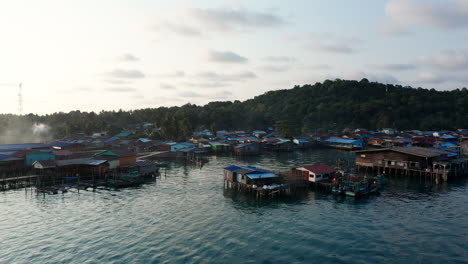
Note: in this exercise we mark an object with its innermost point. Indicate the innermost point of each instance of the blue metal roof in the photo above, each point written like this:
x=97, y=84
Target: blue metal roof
x=8, y=153
x=448, y=137
x=449, y=144
x=61, y=144
x=112, y=139
x=123, y=134
x=232, y=168
x=144, y=140
x=259, y=132
x=342, y=140
x=261, y=175
x=8, y=147
x=251, y=169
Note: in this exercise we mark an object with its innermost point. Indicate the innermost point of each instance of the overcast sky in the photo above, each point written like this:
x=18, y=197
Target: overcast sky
x=91, y=55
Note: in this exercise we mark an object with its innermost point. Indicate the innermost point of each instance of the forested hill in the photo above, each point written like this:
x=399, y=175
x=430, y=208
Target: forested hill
x=332, y=104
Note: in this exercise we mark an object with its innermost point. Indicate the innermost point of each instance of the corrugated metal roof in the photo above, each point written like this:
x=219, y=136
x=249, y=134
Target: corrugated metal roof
x=8, y=147
x=123, y=134
x=232, y=168
x=341, y=140
x=62, y=144
x=319, y=168
x=261, y=175
x=46, y=163
x=9, y=153
x=145, y=163
x=415, y=151
x=112, y=139
x=84, y=161
x=63, y=152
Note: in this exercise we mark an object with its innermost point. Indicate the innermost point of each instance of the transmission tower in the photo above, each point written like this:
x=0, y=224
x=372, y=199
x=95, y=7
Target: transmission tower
x=20, y=99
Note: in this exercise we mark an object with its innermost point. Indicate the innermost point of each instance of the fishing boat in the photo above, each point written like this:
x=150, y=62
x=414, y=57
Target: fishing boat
x=338, y=189
x=356, y=189
x=127, y=180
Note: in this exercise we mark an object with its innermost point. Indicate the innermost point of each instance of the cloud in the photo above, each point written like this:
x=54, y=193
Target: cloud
x=449, y=60
x=207, y=84
x=167, y=86
x=225, y=57
x=431, y=78
x=392, y=28
x=190, y=94
x=278, y=63
x=121, y=89
x=445, y=15
x=329, y=43
x=174, y=74
x=319, y=67
x=438, y=78
x=223, y=95
x=117, y=81
x=179, y=29
x=394, y=67
x=221, y=77
x=126, y=74
x=276, y=68
x=127, y=57
x=228, y=19
x=282, y=59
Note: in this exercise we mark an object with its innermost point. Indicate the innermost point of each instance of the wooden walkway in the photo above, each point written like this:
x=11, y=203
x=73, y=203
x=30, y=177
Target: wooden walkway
x=19, y=178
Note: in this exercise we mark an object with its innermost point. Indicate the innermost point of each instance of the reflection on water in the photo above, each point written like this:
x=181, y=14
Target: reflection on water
x=187, y=216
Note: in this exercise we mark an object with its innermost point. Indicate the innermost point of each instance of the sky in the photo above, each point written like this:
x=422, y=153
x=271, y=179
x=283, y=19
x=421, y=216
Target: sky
x=93, y=55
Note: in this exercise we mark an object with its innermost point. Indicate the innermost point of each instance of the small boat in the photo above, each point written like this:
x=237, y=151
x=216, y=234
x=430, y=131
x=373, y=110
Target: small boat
x=373, y=185
x=338, y=190
x=358, y=189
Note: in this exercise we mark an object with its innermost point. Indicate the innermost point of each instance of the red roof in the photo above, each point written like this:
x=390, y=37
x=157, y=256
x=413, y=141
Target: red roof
x=319, y=168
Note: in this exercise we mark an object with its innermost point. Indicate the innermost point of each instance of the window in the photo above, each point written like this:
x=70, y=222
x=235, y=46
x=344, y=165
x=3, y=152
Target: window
x=393, y=163
x=363, y=155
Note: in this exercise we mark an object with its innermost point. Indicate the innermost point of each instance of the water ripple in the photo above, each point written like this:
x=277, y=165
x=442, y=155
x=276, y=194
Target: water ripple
x=187, y=217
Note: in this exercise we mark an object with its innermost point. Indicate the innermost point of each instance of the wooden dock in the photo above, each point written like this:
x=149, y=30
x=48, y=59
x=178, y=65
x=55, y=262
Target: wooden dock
x=18, y=181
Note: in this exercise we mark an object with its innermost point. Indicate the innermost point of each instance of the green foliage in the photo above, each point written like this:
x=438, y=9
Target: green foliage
x=334, y=105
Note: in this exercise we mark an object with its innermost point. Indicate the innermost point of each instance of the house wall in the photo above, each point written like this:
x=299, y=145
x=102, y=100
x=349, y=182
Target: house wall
x=113, y=164
x=392, y=159
x=33, y=157
x=163, y=147
x=464, y=147
x=127, y=160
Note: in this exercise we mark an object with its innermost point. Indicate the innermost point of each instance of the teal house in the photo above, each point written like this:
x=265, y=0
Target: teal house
x=38, y=155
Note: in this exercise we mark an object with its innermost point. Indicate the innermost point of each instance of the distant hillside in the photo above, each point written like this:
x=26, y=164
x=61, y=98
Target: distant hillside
x=331, y=105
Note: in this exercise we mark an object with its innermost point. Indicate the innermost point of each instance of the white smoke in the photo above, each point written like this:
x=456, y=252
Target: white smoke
x=40, y=130
x=23, y=131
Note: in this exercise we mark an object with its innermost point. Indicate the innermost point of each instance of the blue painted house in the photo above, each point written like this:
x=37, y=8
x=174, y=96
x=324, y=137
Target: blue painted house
x=38, y=155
